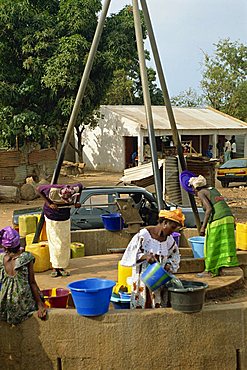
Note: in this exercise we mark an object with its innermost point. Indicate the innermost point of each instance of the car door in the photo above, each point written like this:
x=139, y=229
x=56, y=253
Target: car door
x=92, y=207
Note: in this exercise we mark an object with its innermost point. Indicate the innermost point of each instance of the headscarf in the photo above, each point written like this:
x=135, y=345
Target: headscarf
x=176, y=215
x=9, y=238
x=197, y=182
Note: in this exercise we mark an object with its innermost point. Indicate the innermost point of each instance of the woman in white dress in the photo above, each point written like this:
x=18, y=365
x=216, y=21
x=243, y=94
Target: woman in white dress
x=151, y=244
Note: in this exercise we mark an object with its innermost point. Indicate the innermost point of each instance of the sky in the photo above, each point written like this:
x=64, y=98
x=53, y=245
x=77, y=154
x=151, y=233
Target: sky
x=184, y=29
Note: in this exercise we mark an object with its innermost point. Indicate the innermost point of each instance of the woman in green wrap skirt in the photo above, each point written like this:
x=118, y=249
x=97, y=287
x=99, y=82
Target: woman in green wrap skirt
x=217, y=226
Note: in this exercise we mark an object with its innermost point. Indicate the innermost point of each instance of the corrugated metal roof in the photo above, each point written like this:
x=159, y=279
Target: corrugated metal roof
x=186, y=118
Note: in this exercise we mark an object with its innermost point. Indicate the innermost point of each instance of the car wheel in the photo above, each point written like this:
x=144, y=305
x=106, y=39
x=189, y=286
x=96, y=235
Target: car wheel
x=225, y=184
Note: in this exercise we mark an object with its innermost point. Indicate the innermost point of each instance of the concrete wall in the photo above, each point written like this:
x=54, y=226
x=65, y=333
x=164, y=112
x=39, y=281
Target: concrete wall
x=215, y=338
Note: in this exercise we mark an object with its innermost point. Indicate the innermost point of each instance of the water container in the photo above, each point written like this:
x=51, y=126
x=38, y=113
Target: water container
x=241, y=236
x=77, y=250
x=154, y=276
x=29, y=239
x=112, y=221
x=176, y=237
x=42, y=256
x=56, y=297
x=43, y=235
x=91, y=296
x=197, y=245
x=27, y=224
x=189, y=299
x=120, y=303
x=123, y=273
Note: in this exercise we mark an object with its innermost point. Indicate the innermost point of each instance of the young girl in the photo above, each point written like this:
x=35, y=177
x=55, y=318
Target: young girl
x=19, y=295
x=153, y=243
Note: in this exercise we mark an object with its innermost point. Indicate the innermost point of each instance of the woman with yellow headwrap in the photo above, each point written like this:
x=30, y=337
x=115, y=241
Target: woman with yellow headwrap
x=151, y=244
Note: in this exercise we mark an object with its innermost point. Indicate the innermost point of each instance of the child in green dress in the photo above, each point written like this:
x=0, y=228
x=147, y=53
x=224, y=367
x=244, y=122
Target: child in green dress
x=19, y=295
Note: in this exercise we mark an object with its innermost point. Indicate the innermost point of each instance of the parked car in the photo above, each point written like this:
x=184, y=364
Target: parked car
x=234, y=170
x=97, y=201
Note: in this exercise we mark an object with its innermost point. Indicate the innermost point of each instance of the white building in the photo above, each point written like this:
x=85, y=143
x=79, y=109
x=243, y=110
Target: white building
x=123, y=129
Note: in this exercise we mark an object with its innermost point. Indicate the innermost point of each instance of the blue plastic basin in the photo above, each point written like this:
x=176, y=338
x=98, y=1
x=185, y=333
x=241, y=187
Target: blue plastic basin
x=91, y=296
x=197, y=245
x=112, y=221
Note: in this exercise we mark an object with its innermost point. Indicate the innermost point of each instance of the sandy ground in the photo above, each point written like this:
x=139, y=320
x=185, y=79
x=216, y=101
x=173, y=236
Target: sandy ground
x=236, y=196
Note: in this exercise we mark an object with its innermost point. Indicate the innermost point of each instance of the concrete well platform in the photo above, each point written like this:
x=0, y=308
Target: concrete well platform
x=105, y=267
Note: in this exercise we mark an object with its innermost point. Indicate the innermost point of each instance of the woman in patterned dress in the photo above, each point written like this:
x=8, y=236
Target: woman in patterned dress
x=19, y=295
x=153, y=243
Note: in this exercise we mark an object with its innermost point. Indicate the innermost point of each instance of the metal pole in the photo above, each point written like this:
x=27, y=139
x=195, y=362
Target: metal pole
x=147, y=103
x=168, y=104
x=77, y=104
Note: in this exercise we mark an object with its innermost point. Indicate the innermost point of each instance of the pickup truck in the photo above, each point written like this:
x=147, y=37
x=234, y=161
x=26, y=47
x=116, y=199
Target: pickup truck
x=96, y=201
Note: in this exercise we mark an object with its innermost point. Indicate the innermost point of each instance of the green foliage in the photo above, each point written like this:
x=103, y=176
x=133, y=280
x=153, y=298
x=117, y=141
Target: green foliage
x=43, y=51
x=224, y=78
x=188, y=98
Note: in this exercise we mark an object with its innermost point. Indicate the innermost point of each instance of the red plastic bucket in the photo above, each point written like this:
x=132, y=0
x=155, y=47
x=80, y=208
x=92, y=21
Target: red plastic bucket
x=58, y=301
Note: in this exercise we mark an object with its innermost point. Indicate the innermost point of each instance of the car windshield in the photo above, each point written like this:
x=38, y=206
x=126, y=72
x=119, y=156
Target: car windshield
x=235, y=163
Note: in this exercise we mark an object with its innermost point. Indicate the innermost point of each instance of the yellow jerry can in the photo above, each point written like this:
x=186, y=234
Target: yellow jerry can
x=27, y=224
x=241, y=236
x=40, y=251
x=77, y=250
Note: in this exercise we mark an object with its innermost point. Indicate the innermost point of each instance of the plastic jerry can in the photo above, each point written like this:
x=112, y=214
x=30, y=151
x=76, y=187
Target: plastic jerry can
x=43, y=235
x=27, y=224
x=29, y=239
x=40, y=251
x=241, y=236
x=77, y=250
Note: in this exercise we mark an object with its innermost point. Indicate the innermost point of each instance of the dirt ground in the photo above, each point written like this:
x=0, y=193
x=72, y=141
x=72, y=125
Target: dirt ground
x=236, y=196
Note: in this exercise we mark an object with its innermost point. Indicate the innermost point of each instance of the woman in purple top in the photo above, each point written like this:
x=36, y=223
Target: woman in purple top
x=58, y=200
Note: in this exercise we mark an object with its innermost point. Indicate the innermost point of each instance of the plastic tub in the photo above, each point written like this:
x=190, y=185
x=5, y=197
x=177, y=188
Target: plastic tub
x=189, y=299
x=154, y=276
x=56, y=298
x=197, y=245
x=112, y=221
x=120, y=303
x=176, y=237
x=91, y=296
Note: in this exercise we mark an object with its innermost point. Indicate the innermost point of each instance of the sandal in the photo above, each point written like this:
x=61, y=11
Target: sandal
x=64, y=273
x=55, y=274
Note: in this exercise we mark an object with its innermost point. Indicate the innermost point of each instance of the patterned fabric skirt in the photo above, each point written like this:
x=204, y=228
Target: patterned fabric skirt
x=220, y=245
x=58, y=234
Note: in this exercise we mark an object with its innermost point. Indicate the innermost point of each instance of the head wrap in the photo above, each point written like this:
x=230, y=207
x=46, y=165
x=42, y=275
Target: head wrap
x=176, y=215
x=9, y=238
x=197, y=182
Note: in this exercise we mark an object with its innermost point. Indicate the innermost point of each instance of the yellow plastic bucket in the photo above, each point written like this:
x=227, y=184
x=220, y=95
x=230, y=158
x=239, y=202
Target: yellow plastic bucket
x=123, y=273
x=241, y=236
x=40, y=251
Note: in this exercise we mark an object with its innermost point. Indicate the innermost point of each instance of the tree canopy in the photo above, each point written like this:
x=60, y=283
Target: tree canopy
x=43, y=51
x=224, y=78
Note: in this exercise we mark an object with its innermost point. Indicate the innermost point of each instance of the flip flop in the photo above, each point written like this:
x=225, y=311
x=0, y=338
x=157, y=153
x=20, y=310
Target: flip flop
x=64, y=273
x=55, y=274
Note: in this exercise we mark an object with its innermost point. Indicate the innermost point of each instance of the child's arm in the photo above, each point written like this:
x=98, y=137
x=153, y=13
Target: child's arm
x=36, y=292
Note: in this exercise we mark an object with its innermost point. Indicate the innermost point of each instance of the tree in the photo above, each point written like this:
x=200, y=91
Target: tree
x=224, y=78
x=48, y=44
x=189, y=98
